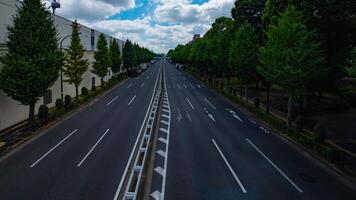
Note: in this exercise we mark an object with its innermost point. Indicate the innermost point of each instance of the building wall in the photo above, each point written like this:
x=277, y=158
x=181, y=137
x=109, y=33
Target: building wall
x=12, y=112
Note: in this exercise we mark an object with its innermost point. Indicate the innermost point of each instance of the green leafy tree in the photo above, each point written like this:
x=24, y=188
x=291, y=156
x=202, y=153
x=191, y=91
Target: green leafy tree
x=291, y=56
x=33, y=61
x=243, y=56
x=102, y=59
x=115, y=57
x=75, y=65
x=129, y=55
x=351, y=69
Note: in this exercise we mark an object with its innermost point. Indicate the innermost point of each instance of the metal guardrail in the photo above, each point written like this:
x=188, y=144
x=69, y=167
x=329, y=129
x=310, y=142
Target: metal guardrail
x=129, y=187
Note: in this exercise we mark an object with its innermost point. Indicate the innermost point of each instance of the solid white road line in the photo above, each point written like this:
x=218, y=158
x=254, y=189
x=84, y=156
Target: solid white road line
x=129, y=86
x=133, y=98
x=136, y=142
x=191, y=105
x=275, y=166
x=143, y=84
x=53, y=148
x=210, y=103
x=86, y=156
x=112, y=100
x=230, y=168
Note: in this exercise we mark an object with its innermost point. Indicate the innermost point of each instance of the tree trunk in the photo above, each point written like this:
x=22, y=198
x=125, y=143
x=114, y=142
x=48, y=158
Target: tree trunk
x=268, y=97
x=76, y=93
x=290, y=112
x=102, y=81
x=319, y=96
x=306, y=102
x=241, y=89
x=246, y=92
x=31, y=116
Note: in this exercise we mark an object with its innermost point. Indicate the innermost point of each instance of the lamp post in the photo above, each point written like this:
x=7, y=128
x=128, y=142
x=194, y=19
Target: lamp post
x=60, y=48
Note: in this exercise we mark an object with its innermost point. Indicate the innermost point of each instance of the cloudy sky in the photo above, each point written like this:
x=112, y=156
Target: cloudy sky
x=156, y=24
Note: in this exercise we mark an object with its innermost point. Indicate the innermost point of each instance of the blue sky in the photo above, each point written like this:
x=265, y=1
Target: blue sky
x=156, y=24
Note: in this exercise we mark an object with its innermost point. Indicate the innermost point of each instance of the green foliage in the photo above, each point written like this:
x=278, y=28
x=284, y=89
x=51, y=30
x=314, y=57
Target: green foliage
x=75, y=65
x=351, y=69
x=102, y=58
x=243, y=56
x=299, y=123
x=134, y=54
x=291, y=57
x=85, y=91
x=116, y=59
x=319, y=133
x=43, y=113
x=59, y=104
x=67, y=100
x=33, y=60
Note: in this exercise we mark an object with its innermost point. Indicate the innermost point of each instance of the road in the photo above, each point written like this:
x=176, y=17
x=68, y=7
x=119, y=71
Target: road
x=216, y=152
x=83, y=157
x=206, y=149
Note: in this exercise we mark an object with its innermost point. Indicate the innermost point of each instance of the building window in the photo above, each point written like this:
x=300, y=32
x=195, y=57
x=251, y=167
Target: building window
x=47, y=97
x=92, y=40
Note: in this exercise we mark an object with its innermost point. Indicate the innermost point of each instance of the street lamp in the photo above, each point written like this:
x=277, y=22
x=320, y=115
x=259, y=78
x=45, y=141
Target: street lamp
x=60, y=48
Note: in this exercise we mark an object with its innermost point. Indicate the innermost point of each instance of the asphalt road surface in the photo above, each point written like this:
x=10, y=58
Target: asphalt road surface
x=207, y=150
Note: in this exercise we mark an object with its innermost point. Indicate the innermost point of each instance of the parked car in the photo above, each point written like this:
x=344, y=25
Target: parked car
x=134, y=71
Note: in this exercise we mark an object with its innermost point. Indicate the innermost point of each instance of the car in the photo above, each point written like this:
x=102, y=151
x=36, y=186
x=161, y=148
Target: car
x=135, y=71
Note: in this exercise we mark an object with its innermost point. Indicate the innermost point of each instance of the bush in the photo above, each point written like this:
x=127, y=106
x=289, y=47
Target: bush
x=319, y=133
x=59, y=103
x=67, y=100
x=256, y=103
x=43, y=113
x=299, y=123
x=56, y=114
x=85, y=91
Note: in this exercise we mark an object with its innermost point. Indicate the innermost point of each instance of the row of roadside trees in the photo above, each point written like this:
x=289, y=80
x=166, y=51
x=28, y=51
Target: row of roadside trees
x=34, y=60
x=303, y=47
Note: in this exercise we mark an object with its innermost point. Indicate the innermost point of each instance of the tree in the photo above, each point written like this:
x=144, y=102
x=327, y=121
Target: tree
x=129, y=55
x=243, y=56
x=102, y=59
x=75, y=65
x=351, y=68
x=291, y=56
x=32, y=64
x=115, y=57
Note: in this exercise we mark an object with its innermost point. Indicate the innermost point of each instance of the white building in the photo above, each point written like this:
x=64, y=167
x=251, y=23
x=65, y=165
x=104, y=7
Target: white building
x=12, y=112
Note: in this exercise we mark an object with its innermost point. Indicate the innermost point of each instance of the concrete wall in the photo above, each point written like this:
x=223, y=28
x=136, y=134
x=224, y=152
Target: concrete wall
x=12, y=112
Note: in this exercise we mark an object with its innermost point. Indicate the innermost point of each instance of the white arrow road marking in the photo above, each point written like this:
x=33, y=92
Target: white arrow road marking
x=156, y=195
x=159, y=170
x=210, y=103
x=161, y=153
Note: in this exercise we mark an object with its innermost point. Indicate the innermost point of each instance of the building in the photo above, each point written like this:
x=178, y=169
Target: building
x=195, y=37
x=12, y=112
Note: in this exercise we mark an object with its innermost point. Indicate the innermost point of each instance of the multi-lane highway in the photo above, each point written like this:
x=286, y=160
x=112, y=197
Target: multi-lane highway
x=83, y=157
x=206, y=149
x=217, y=152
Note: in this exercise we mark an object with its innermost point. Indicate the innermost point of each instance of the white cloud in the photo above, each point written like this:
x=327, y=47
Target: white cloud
x=93, y=9
x=172, y=22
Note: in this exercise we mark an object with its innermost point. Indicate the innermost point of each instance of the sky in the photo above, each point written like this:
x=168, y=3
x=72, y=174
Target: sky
x=159, y=25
